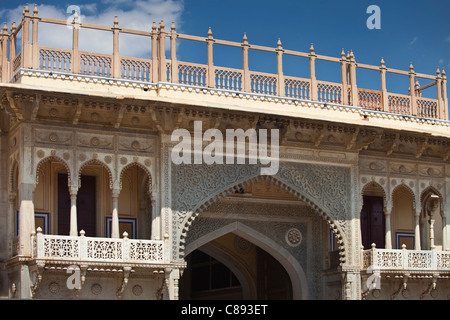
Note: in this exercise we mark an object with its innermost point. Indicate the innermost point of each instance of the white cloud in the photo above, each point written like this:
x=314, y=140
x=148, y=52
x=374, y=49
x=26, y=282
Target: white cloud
x=414, y=40
x=135, y=14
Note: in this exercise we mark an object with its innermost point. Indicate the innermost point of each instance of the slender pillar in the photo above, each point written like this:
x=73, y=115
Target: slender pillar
x=388, y=239
x=444, y=231
x=433, y=205
x=173, y=55
x=344, y=79
x=417, y=231
x=156, y=217
x=12, y=49
x=245, y=67
x=384, y=93
x=211, y=72
x=25, y=58
x=162, y=53
x=413, y=108
x=75, y=67
x=444, y=113
x=154, y=38
x=73, y=212
x=312, y=74
x=34, y=40
x=280, y=83
x=115, y=214
x=354, y=94
x=4, y=53
x=116, y=57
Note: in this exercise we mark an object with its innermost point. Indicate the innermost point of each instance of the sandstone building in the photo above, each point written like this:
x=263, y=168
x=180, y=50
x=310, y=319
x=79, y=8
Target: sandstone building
x=88, y=187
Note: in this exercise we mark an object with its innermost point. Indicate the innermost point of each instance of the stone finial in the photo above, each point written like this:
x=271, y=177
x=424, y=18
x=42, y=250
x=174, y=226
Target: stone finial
x=411, y=67
x=279, y=44
x=383, y=64
x=438, y=73
x=154, y=27
x=172, y=27
x=82, y=233
x=5, y=29
x=210, y=33
x=125, y=235
x=35, y=11
x=343, y=53
x=244, y=39
x=311, y=49
x=13, y=27
x=116, y=22
x=39, y=230
x=443, y=73
x=75, y=17
x=26, y=10
x=161, y=25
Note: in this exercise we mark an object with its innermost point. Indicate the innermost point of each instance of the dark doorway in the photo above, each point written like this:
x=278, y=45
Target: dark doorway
x=372, y=222
x=86, y=205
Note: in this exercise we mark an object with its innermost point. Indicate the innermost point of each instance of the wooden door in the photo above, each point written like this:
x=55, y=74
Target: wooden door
x=372, y=222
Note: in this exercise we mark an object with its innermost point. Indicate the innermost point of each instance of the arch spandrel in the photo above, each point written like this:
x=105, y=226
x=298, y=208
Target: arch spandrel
x=325, y=189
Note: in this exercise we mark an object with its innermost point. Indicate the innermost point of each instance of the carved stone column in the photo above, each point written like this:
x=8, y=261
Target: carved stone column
x=417, y=231
x=433, y=205
x=73, y=212
x=115, y=214
x=388, y=239
x=11, y=221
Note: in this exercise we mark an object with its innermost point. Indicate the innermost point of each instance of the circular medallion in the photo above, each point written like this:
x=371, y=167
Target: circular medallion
x=293, y=237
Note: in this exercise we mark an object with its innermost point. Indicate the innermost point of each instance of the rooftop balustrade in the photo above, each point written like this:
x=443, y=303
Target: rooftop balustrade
x=159, y=68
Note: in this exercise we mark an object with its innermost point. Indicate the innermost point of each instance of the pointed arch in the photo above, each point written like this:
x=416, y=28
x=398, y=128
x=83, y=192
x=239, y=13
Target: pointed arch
x=408, y=190
x=289, y=263
x=145, y=169
x=376, y=185
x=53, y=158
x=98, y=162
x=336, y=229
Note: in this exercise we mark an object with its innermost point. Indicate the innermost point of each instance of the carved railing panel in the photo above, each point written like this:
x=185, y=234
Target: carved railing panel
x=370, y=99
x=81, y=248
x=399, y=103
x=297, y=88
x=263, y=83
x=136, y=69
x=427, y=108
x=329, y=92
x=192, y=74
x=95, y=64
x=406, y=260
x=55, y=59
x=228, y=79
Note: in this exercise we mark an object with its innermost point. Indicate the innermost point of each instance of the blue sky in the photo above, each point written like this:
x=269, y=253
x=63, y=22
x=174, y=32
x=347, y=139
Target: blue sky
x=411, y=31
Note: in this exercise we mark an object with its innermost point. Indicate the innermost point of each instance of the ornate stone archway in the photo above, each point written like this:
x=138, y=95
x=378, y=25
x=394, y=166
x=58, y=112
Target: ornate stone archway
x=326, y=189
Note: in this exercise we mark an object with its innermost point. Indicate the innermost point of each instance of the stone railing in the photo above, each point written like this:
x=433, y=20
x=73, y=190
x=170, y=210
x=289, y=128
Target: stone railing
x=160, y=69
x=92, y=249
x=403, y=260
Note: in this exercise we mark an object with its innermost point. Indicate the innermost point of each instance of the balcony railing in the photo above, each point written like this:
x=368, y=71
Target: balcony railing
x=92, y=249
x=159, y=68
x=402, y=260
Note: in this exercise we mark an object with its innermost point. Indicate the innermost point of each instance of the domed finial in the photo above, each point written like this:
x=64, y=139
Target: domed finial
x=161, y=25
x=116, y=22
x=210, y=33
x=172, y=27
x=35, y=11
x=26, y=10
x=154, y=26
x=443, y=72
x=75, y=17
x=343, y=53
x=411, y=67
x=244, y=39
x=311, y=49
x=5, y=28
x=382, y=62
x=279, y=43
x=438, y=72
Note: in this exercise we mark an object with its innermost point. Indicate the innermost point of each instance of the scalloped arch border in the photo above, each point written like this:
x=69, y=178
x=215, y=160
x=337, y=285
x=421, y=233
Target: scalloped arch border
x=146, y=170
x=278, y=182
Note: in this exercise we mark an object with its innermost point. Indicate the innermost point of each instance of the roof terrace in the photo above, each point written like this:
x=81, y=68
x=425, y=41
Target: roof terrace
x=17, y=57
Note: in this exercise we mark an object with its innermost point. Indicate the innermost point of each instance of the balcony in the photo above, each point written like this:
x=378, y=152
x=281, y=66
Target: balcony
x=94, y=251
x=406, y=261
x=120, y=70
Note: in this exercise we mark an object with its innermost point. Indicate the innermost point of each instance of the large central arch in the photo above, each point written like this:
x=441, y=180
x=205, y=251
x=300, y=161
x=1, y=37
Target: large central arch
x=290, y=264
x=325, y=189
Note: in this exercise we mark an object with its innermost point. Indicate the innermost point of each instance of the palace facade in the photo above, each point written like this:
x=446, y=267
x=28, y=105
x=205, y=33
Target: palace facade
x=93, y=207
